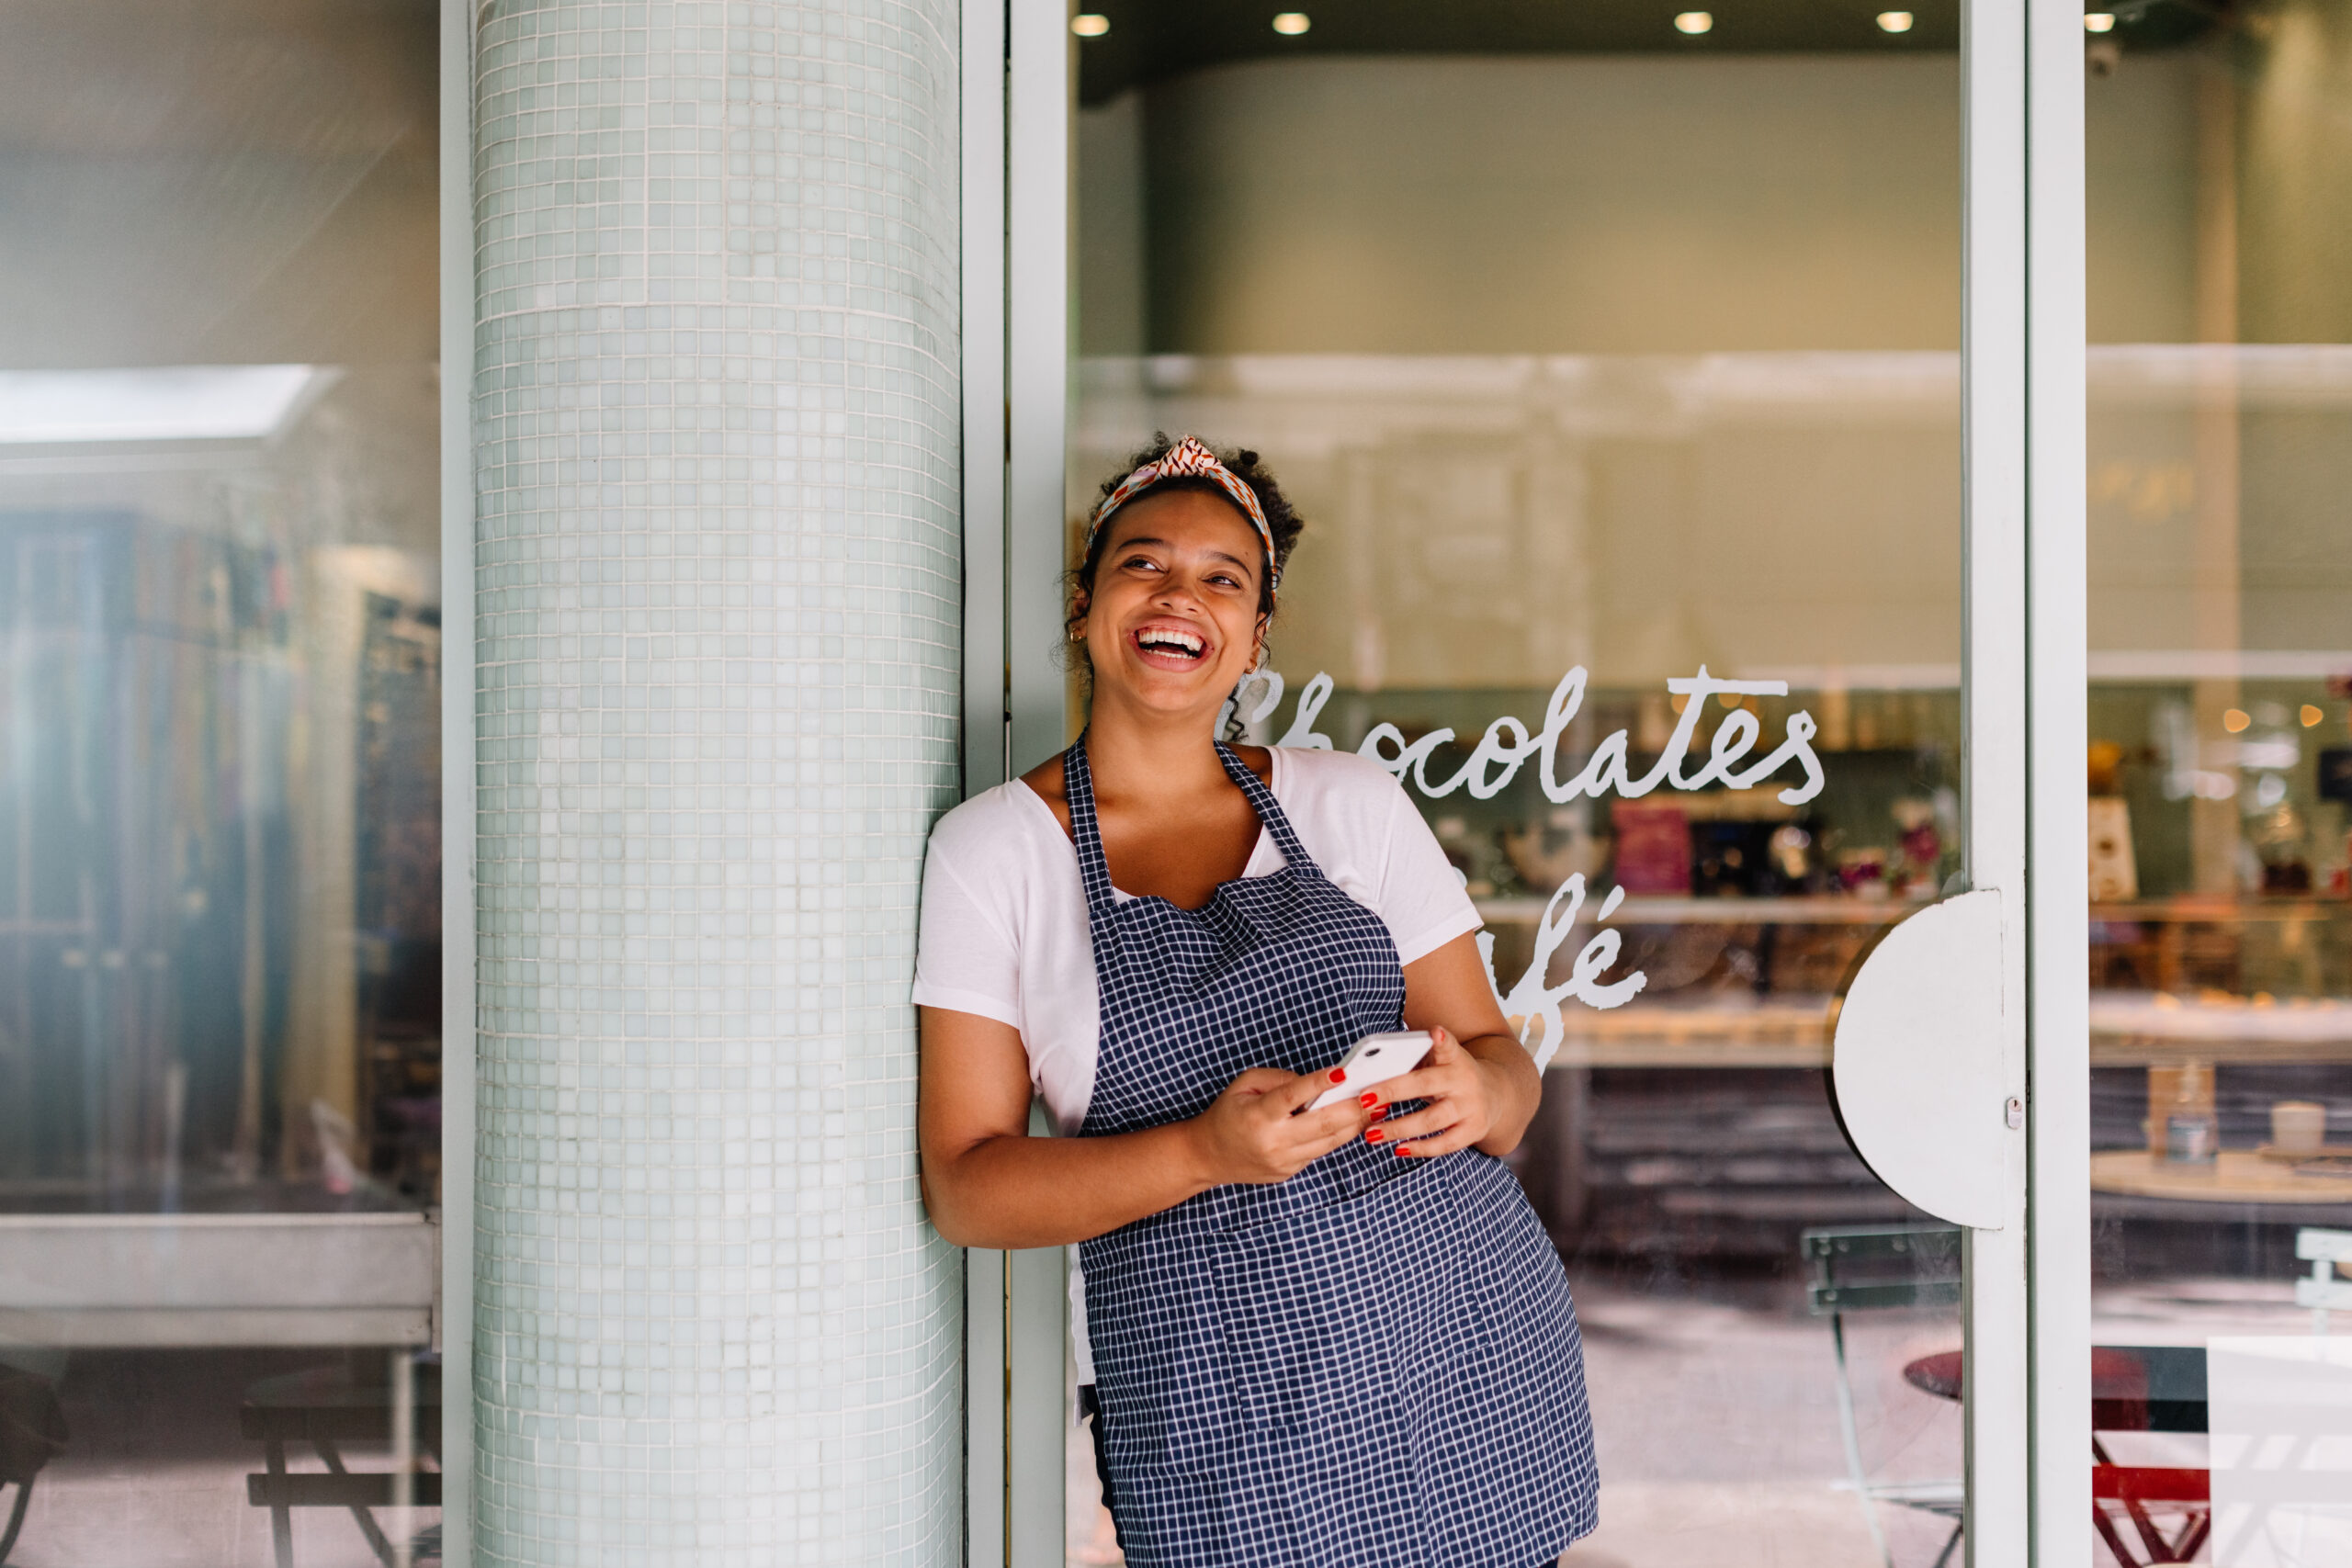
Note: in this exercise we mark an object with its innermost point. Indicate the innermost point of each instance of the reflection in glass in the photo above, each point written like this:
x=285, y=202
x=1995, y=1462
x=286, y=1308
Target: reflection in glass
x=2221, y=671
x=219, y=803
x=1620, y=390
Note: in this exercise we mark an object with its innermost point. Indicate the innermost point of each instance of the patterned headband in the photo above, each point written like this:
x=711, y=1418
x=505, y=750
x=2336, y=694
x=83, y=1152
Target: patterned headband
x=1190, y=459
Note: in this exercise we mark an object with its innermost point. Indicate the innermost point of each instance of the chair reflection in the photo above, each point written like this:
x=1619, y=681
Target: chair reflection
x=1878, y=1269
x=327, y=1407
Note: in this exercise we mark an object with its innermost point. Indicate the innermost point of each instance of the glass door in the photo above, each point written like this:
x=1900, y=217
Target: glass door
x=221, y=656
x=1619, y=364
x=2220, y=775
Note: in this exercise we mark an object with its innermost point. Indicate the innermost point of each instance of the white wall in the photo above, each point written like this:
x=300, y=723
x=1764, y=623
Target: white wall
x=1587, y=204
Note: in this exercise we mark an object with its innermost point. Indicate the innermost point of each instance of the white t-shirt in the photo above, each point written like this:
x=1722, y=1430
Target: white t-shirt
x=1004, y=926
x=1005, y=932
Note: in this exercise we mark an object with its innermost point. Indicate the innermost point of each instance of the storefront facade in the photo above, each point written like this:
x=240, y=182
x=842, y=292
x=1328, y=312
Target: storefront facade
x=466, y=828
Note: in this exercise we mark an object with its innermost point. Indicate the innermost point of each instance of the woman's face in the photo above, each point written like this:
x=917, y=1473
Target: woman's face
x=1172, y=622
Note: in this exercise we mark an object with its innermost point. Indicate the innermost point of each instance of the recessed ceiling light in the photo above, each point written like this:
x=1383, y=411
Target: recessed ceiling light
x=1090, y=24
x=1894, y=21
x=2235, y=720
x=2099, y=21
x=1290, y=24
x=2310, y=715
x=1694, y=22
x=191, y=402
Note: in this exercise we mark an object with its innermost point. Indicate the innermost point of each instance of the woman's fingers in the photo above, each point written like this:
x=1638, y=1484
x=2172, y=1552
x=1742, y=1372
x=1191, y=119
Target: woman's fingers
x=1458, y=1136
x=1346, y=1118
x=1301, y=1090
x=1449, y=1081
x=1438, y=1072
x=1262, y=1081
x=1435, y=1117
x=1330, y=1127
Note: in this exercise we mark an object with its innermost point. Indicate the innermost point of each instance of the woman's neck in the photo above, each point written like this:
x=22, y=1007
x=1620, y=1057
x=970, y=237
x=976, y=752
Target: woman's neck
x=1137, y=756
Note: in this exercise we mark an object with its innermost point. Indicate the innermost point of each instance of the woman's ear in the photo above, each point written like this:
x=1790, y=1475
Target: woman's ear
x=1078, y=604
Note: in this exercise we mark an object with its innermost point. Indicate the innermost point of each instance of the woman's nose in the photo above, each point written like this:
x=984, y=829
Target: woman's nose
x=1178, y=589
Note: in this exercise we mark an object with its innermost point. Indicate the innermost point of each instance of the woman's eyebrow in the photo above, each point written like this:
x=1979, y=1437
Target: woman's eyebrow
x=1214, y=555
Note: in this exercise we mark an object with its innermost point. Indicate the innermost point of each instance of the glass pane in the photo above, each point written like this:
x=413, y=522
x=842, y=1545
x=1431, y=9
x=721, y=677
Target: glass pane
x=1616, y=374
x=219, y=812
x=2219, y=772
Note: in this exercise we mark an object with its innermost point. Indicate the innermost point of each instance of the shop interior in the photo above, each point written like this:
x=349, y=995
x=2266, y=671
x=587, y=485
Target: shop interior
x=1582, y=343
x=220, y=784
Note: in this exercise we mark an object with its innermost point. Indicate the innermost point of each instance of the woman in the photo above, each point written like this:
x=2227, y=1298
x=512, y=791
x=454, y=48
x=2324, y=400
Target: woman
x=1330, y=1337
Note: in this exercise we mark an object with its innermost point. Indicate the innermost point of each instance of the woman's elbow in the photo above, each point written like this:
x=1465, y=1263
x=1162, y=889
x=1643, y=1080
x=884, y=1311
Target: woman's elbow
x=952, y=1220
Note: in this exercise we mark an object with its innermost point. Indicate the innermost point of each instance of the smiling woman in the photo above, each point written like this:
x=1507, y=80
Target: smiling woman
x=1168, y=468
x=1174, y=941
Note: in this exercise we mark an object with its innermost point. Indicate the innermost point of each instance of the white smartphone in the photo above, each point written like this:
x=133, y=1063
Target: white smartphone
x=1374, y=1059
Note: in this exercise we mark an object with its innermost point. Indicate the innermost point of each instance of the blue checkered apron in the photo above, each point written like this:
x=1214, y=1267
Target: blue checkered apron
x=1370, y=1365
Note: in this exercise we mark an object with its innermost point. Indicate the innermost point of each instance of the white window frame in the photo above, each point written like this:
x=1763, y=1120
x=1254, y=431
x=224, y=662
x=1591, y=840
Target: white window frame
x=2026, y=1309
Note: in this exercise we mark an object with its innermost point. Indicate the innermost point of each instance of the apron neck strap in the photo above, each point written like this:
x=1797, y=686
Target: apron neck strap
x=1086, y=832
x=1077, y=788
x=1269, y=809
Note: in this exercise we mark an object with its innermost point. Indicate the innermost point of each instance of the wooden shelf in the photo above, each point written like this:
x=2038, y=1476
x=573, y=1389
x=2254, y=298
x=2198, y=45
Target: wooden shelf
x=2187, y=911
x=1656, y=910
x=2127, y=1029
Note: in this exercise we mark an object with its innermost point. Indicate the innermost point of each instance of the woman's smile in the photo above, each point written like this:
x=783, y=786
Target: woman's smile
x=1171, y=644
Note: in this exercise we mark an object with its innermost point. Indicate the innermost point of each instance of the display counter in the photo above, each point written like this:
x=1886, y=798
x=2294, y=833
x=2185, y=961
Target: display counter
x=1750, y=1019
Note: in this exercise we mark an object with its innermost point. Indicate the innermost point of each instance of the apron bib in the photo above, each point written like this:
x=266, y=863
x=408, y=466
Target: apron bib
x=1374, y=1364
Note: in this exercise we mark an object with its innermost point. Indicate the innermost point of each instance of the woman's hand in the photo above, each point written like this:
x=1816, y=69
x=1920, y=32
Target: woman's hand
x=1466, y=1098
x=1250, y=1136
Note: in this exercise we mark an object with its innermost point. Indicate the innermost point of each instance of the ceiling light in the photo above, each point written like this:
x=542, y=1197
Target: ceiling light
x=2099, y=21
x=1694, y=22
x=1290, y=24
x=2235, y=720
x=194, y=402
x=2310, y=715
x=1089, y=24
x=1894, y=21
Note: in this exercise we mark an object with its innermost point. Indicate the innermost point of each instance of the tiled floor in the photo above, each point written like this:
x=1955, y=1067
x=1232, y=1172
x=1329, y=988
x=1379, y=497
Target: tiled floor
x=1717, y=1422
x=155, y=1475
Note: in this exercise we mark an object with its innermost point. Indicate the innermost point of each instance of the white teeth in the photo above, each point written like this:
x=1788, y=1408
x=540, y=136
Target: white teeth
x=1165, y=637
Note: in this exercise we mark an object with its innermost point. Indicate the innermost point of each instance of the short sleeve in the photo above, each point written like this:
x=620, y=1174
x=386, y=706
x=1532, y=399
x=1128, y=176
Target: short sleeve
x=966, y=958
x=1421, y=896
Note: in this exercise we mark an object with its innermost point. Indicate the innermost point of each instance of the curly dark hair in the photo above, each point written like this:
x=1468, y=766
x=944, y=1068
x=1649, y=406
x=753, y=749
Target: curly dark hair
x=1281, y=521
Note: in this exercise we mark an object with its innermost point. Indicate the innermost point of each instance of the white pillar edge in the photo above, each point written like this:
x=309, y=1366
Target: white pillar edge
x=457, y=323
x=1994, y=664
x=1041, y=73
x=2056, y=715
x=1038, y=308
x=987, y=728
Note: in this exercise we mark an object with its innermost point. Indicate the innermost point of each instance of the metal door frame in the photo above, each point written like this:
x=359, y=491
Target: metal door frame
x=2027, y=1308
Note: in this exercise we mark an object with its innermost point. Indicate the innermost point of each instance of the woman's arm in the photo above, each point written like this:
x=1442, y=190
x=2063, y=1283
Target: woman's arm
x=1481, y=1084
x=988, y=1183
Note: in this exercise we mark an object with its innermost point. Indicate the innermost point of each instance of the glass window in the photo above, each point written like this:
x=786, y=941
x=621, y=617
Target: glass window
x=2219, y=773
x=219, y=803
x=1614, y=366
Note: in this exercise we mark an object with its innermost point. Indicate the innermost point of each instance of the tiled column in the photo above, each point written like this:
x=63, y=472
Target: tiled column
x=716, y=424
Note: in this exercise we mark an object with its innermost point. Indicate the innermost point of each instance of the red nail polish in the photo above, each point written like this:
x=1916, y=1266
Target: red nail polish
x=1380, y=1112
x=1368, y=1099
x=1373, y=1136
x=1338, y=1075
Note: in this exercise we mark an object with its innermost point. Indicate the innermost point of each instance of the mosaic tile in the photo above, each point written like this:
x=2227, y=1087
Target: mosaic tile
x=717, y=631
